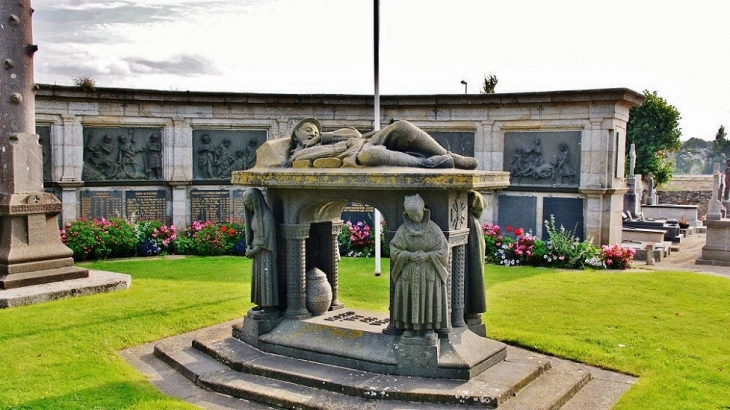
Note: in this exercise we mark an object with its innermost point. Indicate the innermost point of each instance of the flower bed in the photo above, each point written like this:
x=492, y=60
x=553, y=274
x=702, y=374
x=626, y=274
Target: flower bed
x=562, y=249
x=107, y=238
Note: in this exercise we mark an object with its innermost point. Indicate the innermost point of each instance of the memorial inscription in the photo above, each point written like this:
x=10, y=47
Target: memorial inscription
x=147, y=205
x=101, y=204
x=214, y=206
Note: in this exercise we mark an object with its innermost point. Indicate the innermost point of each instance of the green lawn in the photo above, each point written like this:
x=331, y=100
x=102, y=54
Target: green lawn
x=671, y=329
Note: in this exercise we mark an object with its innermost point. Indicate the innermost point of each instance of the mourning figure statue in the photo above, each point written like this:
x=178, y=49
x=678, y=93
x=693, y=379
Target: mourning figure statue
x=420, y=255
x=261, y=247
x=400, y=144
x=206, y=158
x=475, y=299
x=154, y=157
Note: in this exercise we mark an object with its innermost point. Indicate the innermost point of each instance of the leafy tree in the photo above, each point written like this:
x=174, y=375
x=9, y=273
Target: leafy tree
x=654, y=129
x=490, y=83
x=721, y=145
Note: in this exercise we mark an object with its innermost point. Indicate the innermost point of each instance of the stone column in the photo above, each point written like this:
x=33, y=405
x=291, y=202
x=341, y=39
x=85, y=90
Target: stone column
x=334, y=260
x=32, y=251
x=295, y=236
x=457, y=285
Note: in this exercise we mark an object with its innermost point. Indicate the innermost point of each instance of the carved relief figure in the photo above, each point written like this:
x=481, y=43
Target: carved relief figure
x=249, y=156
x=99, y=163
x=400, y=144
x=475, y=302
x=206, y=158
x=154, y=157
x=420, y=255
x=261, y=247
x=223, y=160
x=563, y=168
x=127, y=152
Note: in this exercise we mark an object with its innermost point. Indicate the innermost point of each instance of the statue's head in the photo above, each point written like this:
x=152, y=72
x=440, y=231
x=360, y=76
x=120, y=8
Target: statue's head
x=305, y=130
x=414, y=207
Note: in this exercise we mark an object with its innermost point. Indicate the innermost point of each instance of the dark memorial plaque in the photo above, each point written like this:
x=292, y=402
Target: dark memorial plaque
x=122, y=154
x=548, y=159
x=517, y=212
x=568, y=212
x=460, y=142
x=237, y=206
x=147, y=205
x=44, y=138
x=101, y=204
x=217, y=153
x=214, y=206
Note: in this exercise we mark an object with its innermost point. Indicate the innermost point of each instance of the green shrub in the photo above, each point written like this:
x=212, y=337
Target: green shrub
x=86, y=238
x=121, y=238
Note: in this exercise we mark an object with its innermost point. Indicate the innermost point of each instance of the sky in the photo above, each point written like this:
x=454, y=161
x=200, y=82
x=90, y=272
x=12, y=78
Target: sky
x=677, y=48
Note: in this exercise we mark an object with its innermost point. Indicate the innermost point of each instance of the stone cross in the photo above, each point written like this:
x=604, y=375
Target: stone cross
x=632, y=160
x=32, y=251
x=714, y=207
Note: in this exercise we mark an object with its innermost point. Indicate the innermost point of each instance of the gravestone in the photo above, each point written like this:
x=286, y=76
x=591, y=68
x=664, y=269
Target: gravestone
x=31, y=250
x=633, y=195
x=714, y=207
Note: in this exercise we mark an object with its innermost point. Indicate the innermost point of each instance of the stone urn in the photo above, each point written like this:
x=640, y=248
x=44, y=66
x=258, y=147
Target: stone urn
x=319, y=292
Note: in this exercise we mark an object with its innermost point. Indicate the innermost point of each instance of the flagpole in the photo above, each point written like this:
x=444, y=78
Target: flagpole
x=376, y=120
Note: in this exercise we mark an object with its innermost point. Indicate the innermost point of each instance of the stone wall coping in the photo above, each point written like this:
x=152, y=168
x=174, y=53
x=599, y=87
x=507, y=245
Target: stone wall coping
x=380, y=178
x=670, y=206
x=117, y=95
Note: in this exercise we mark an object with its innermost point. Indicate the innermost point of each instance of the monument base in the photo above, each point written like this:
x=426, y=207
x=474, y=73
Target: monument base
x=355, y=340
x=717, y=246
x=32, y=252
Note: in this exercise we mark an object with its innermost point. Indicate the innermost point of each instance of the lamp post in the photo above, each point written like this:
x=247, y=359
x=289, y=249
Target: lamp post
x=464, y=82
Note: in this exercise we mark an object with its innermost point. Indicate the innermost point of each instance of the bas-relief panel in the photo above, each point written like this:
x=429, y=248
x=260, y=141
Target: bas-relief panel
x=122, y=154
x=545, y=158
x=217, y=153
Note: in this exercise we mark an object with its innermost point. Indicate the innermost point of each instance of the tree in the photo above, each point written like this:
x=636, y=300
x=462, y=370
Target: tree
x=490, y=83
x=721, y=145
x=654, y=130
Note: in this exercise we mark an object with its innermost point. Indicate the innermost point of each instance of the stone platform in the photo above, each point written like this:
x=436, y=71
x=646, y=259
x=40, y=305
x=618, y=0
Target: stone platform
x=522, y=380
x=357, y=340
x=96, y=282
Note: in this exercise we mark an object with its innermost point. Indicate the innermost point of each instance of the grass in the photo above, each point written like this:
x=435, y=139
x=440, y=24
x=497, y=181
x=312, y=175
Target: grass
x=672, y=329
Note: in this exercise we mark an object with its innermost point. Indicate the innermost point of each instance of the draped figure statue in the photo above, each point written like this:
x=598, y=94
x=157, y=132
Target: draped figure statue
x=261, y=247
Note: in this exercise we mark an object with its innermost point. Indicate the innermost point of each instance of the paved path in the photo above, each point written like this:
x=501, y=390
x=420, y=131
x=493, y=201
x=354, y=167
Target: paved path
x=684, y=259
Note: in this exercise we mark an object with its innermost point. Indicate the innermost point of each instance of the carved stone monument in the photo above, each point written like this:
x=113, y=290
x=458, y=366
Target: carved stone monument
x=717, y=247
x=427, y=215
x=31, y=251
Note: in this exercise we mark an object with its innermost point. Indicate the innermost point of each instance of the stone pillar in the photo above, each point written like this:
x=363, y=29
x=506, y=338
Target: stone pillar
x=72, y=149
x=31, y=250
x=70, y=200
x=295, y=236
x=458, y=264
x=333, y=271
x=180, y=208
x=390, y=329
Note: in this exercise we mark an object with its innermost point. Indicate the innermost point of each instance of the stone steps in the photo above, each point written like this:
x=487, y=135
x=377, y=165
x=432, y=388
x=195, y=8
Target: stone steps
x=525, y=380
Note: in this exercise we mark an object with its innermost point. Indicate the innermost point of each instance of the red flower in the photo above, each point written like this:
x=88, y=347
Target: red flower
x=509, y=228
x=519, y=231
x=223, y=229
